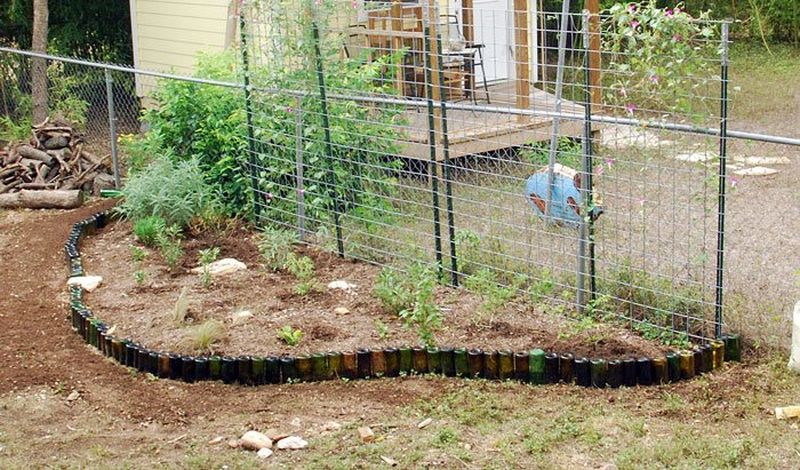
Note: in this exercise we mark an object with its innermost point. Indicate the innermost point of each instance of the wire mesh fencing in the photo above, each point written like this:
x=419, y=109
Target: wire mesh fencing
x=581, y=160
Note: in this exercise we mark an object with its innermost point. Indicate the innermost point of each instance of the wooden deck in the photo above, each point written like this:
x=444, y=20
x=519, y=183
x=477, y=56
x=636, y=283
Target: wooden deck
x=480, y=132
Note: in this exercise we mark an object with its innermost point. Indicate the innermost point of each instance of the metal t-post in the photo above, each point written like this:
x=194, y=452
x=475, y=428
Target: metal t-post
x=112, y=125
x=248, y=109
x=299, y=167
x=723, y=176
x=562, y=46
x=326, y=126
x=432, y=164
x=585, y=242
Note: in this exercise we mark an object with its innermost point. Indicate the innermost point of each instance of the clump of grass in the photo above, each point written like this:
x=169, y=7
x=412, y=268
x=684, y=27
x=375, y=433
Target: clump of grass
x=302, y=268
x=493, y=294
x=181, y=306
x=140, y=276
x=203, y=337
x=148, y=229
x=275, y=245
x=290, y=336
x=410, y=295
x=383, y=329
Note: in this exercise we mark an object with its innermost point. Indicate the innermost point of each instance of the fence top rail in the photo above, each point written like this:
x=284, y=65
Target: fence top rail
x=412, y=103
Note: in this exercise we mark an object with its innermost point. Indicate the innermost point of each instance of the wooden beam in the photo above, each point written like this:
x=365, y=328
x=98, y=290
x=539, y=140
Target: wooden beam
x=397, y=42
x=595, y=65
x=522, y=56
x=468, y=21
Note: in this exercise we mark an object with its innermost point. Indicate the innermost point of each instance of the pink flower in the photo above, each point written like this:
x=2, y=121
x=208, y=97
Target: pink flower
x=635, y=24
x=642, y=202
x=734, y=181
x=623, y=92
x=610, y=162
x=599, y=170
x=654, y=78
x=669, y=13
x=354, y=4
x=630, y=108
x=677, y=37
x=631, y=7
x=301, y=191
x=289, y=109
x=268, y=197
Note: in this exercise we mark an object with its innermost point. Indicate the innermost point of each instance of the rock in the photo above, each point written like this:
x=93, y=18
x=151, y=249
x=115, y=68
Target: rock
x=73, y=396
x=695, y=157
x=341, y=284
x=102, y=181
x=241, y=316
x=221, y=267
x=292, y=442
x=264, y=453
x=254, y=440
x=88, y=283
x=424, y=423
x=341, y=310
x=216, y=440
x=763, y=160
x=331, y=426
x=365, y=434
x=275, y=435
x=233, y=443
x=389, y=461
x=755, y=171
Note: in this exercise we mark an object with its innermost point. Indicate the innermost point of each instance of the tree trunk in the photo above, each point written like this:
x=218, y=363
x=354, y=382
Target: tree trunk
x=39, y=66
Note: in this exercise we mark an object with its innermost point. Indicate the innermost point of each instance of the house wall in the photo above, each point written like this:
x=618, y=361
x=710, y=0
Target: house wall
x=169, y=34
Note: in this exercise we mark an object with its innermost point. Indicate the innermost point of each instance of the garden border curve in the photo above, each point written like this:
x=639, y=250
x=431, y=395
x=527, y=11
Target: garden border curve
x=534, y=366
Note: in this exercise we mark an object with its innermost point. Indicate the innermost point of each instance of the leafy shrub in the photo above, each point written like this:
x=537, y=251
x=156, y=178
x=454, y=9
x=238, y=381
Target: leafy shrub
x=169, y=243
x=174, y=192
x=148, y=229
x=425, y=316
x=275, y=244
x=494, y=295
x=394, y=290
x=209, y=123
x=659, y=59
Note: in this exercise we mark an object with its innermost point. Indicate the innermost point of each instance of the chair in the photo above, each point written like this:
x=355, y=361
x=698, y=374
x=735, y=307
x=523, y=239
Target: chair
x=458, y=53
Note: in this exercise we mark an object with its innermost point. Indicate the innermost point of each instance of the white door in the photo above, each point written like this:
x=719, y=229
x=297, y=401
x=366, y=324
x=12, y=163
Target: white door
x=494, y=28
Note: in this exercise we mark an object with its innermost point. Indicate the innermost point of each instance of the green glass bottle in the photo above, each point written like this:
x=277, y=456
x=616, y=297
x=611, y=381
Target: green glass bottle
x=686, y=360
x=461, y=362
x=215, y=367
x=305, y=371
x=475, y=358
x=319, y=366
x=614, y=377
x=378, y=359
x=660, y=373
x=536, y=366
x=490, y=365
x=565, y=368
x=420, y=356
x=599, y=372
x=673, y=367
x=522, y=366
x=406, y=360
x=349, y=365
x=448, y=367
x=392, y=356
x=259, y=370
x=505, y=365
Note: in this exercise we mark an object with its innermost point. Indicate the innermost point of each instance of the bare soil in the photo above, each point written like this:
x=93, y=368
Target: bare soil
x=144, y=312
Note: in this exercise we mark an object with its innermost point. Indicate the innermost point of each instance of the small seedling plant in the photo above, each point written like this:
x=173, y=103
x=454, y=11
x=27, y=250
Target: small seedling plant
x=274, y=245
x=290, y=336
x=425, y=316
x=206, y=257
x=302, y=268
x=138, y=255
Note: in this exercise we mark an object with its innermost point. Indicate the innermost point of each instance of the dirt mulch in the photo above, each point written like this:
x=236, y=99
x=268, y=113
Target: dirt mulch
x=144, y=311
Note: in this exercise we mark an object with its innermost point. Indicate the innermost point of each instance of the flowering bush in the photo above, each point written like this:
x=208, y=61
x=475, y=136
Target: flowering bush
x=659, y=60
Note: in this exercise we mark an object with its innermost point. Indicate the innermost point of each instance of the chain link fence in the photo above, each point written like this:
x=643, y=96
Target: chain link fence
x=581, y=160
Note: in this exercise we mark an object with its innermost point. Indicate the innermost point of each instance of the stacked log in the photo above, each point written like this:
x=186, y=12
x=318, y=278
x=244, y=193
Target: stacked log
x=55, y=162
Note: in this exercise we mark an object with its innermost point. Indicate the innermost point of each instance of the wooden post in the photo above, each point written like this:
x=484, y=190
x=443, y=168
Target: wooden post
x=522, y=56
x=468, y=21
x=397, y=41
x=595, y=72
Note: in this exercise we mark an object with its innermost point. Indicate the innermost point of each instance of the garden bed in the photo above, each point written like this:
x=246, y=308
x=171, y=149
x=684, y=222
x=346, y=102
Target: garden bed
x=137, y=299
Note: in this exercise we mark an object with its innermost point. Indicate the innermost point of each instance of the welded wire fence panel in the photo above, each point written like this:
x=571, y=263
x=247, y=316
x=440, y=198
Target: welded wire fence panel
x=574, y=157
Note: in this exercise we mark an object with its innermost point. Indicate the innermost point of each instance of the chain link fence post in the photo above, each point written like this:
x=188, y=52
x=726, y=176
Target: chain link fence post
x=112, y=125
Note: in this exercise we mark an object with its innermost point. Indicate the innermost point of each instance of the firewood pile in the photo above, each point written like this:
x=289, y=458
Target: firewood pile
x=54, y=161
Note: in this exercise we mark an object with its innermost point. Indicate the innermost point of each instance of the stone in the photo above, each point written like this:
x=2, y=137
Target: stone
x=331, y=426
x=341, y=284
x=365, y=434
x=794, y=357
x=233, y=443
x=275, y=435
x=389, y=461
x=254, y=440
x=102, y=181
x=755, y=171
x=292, y=442
x=264, y=453
x=216, y=440
x=87, y=283
x=241, y=316
x=73, y=396
x=695, y=157
x=763, y=160
x=424, y=423
x=341, y=310
x=222, y=267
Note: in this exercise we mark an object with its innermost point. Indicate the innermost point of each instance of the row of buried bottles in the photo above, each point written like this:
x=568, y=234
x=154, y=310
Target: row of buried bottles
x=535, y=366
